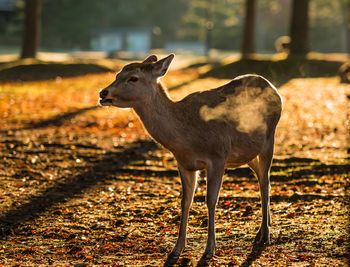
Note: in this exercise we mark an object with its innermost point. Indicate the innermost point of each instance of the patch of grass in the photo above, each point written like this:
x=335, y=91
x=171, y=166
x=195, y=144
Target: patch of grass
x=277, y=70
x=84, y=185
x=46, y=71
x=24, y=70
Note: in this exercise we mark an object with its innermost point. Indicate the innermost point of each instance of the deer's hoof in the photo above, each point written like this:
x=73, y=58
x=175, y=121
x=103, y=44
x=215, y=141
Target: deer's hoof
x=262, y=239
x=172, y=259
x=206, y=258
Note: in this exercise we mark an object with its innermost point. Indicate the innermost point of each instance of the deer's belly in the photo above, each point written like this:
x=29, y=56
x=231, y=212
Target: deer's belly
x=238, y=158
x=191, y=161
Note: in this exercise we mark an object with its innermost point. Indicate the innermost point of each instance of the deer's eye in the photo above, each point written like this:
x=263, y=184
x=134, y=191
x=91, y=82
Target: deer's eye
x=133, y=79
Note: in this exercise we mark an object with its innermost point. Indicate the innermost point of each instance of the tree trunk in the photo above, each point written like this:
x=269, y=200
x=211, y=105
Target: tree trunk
x=31, y=25
x=248, y=45
x=299, y=28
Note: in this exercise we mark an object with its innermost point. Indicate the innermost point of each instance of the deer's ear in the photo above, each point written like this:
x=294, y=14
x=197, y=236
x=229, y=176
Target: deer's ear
x=161, y=66
x=150, y=59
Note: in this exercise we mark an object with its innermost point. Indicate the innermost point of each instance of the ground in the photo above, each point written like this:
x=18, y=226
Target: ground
x=82, y=184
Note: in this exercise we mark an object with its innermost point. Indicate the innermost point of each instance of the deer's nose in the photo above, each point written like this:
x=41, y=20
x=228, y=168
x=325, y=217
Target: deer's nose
x=103, y=93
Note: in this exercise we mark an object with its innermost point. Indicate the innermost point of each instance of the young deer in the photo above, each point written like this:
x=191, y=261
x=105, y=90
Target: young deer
x=224, y=127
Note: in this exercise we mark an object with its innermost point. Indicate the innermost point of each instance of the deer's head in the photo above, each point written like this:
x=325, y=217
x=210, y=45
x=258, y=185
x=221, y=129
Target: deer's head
x=135, y=83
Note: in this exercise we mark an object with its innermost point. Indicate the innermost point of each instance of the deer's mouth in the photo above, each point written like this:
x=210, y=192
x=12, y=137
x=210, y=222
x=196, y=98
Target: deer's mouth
x=117, y=102
x=106, y=102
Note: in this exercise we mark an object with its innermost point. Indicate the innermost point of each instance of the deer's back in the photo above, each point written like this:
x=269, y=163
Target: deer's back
x=239, y=115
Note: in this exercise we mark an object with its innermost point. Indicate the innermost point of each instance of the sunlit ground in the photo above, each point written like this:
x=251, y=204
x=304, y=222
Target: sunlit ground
x=78, y=185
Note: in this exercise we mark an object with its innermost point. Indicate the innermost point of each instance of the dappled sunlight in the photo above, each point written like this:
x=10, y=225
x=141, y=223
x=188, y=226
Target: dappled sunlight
x=82, y=183
x=111, y=195
x=33, y=101
x=314, y=118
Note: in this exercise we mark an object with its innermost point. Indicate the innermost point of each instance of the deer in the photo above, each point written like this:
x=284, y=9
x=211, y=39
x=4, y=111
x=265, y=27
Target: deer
x=207, y=131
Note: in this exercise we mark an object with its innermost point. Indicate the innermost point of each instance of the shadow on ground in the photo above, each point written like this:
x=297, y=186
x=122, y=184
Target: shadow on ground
x=279, y=72
x=48, y=71
x=58, y=120
x=62, y=192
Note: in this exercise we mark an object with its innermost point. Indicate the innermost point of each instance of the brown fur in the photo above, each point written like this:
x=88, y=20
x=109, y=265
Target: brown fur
x=226, y=126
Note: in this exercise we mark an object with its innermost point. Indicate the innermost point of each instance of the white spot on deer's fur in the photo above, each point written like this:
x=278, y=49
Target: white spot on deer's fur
x=248, y=108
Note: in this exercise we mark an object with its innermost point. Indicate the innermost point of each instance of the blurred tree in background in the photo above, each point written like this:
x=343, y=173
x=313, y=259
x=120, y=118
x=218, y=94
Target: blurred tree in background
x=68, y=24
x=248, y=45
x=299, y=28
x=31, y=25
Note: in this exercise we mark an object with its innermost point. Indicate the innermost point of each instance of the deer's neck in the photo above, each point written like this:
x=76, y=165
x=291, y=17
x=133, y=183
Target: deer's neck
x=159, y=117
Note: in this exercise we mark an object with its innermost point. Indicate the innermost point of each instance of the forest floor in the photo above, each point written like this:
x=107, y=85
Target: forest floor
x=84, y=185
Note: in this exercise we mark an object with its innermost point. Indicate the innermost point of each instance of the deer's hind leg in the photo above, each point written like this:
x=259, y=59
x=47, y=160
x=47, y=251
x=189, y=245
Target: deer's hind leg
x=261, y=166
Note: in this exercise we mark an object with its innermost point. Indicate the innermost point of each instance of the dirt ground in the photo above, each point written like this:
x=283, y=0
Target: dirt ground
x=83, y=185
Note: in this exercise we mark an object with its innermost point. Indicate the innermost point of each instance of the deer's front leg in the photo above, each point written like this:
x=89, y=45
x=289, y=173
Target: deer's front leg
x=214, y=181
x=188, y=180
